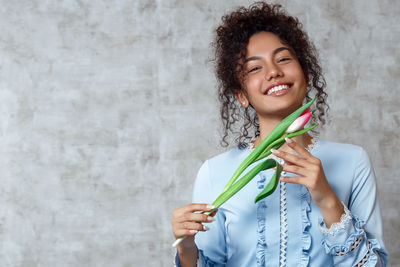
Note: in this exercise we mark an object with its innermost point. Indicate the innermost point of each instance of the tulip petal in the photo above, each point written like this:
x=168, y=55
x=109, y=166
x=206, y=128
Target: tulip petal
x=300, y=122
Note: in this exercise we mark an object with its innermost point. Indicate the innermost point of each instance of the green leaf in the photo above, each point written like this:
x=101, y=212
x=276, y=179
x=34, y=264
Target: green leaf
x=232, y=190
x=273, y=183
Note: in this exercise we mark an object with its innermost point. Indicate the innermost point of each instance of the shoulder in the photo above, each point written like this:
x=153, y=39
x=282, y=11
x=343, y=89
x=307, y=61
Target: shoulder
x=229, y=157
x=343, y=162
x=341, y=153
x=339, y=149
x=346, y=167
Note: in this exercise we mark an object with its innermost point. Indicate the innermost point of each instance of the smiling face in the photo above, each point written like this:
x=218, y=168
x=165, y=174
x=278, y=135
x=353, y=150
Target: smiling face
x=275, y=84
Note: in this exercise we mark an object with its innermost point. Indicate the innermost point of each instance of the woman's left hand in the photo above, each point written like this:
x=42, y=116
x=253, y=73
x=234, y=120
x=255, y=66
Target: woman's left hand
x=311, y=174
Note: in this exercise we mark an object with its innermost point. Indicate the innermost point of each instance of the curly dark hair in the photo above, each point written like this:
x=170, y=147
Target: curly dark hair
x=230, y=45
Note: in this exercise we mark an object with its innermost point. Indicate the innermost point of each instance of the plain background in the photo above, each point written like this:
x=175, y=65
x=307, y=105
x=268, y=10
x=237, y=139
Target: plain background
x=108, y=109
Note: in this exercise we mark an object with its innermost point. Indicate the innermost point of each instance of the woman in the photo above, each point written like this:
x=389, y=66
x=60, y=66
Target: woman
x=325, y=211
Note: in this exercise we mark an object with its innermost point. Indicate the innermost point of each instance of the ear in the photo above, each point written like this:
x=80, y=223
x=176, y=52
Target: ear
x=307, y=79
x=241, y=97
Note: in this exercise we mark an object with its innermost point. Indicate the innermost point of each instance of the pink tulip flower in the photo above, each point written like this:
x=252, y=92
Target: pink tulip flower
x=300, y=122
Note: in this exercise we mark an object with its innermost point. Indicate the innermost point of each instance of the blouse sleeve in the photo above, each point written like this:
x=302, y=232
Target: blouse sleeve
x=211, y=244
x=357, y=239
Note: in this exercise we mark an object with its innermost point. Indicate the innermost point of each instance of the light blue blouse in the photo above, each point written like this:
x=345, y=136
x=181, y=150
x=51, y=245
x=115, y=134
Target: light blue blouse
x=248, y=234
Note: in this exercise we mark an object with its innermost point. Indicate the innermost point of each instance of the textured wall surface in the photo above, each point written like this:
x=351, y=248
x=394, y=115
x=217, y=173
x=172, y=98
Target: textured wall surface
x=108, y=108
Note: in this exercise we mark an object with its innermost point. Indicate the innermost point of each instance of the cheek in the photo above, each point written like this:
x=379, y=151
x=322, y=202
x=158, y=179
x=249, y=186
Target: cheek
x=298, y=72
x=254, y=82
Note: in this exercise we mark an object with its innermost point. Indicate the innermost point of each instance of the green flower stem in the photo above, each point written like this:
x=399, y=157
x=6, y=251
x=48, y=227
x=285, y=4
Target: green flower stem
x=276, y=133
x=279, y=142
x=267, y=152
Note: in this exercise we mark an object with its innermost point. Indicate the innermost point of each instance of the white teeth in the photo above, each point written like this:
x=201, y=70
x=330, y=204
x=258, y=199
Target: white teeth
x=277, y=88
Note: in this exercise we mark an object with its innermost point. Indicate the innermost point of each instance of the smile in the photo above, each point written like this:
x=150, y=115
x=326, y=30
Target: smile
x=277, y=90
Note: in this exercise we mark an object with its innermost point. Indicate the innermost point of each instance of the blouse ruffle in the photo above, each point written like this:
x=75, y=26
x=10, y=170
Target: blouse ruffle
x=306, y=223
x=261, y=215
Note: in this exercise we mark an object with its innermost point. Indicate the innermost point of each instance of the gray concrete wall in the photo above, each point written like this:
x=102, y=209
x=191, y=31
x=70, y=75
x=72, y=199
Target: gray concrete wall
x=108, y=108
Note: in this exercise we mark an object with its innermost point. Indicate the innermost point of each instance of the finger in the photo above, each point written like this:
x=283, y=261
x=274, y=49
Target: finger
x=194, y=226
x=197, y=207
x=213, y=213
x=293, y=180
x=295, y=169
x=195, y=217
x=184, y=232
x=290, y=158
x=192, y=208
x=298, y=148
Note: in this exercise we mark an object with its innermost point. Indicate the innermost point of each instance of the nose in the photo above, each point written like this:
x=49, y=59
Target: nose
x=273, y=72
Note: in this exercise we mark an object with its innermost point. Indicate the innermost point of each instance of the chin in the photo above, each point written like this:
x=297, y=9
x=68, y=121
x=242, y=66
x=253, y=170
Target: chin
x=285, y=109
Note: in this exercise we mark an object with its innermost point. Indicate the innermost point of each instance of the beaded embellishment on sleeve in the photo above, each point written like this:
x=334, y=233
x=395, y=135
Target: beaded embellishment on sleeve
x=366, y=257
x=352, y=247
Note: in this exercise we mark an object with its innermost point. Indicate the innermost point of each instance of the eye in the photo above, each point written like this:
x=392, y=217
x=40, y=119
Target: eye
x=253, y=69
x=284, y=59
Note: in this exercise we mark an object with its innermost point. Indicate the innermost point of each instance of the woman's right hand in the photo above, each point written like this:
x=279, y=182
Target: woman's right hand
x=187, y=221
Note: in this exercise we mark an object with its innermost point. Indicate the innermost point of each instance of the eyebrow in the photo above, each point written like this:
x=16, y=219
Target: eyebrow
x=276, y=51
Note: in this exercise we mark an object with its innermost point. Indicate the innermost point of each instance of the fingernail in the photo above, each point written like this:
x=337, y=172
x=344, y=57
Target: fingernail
x=193, y=231
x=288, y=140
x=210, y=207
x=274, y=151
x=205, y=228
x=210, y=219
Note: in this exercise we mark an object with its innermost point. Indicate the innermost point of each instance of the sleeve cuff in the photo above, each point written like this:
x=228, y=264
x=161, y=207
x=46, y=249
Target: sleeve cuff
x=335, y=228
x=341, y=237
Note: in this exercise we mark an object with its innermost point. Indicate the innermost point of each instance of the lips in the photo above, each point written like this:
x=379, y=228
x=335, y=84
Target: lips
x=277, y=88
